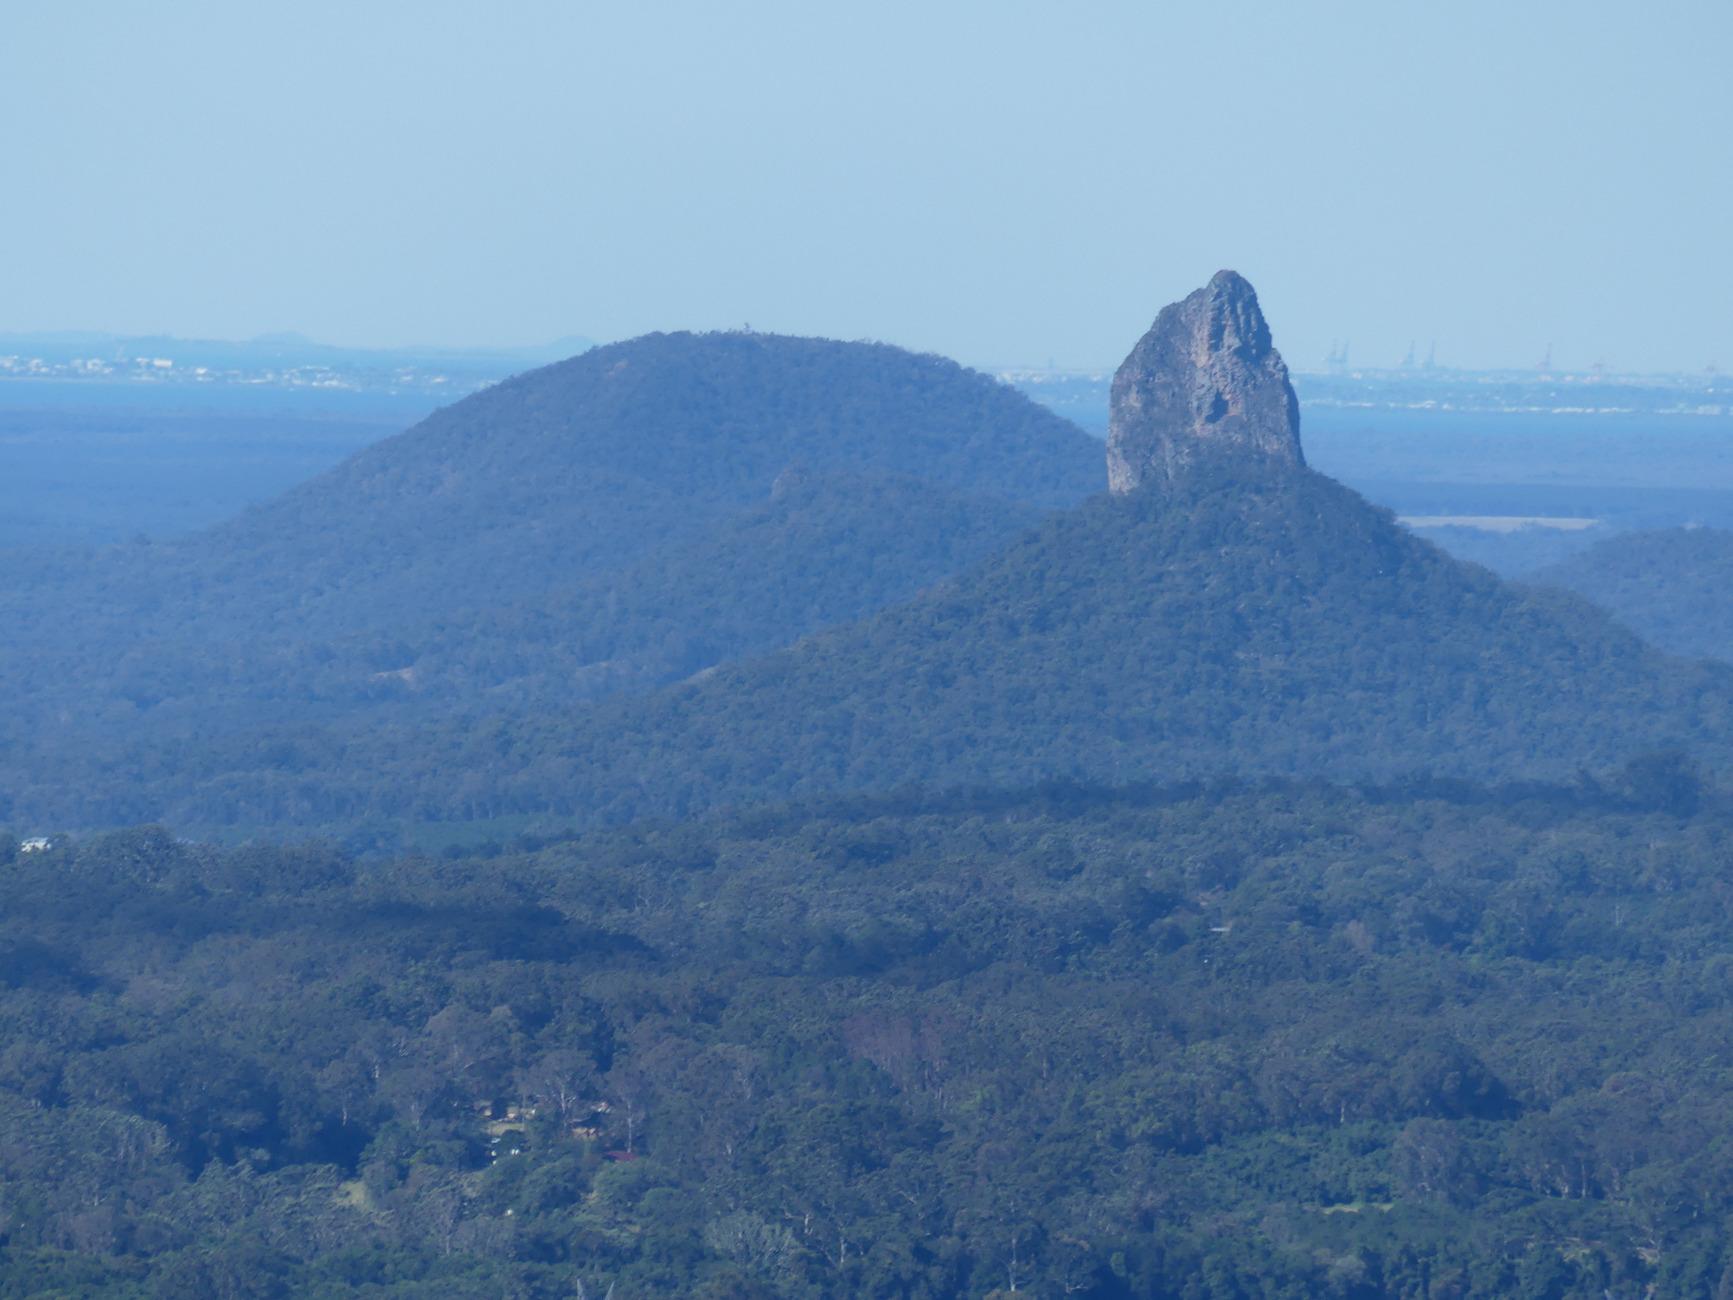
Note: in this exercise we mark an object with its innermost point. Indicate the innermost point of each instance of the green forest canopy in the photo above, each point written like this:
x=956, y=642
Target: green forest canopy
x=1284, y=1040
x=613, y=522
x=1669, y=585
x=1259, y=625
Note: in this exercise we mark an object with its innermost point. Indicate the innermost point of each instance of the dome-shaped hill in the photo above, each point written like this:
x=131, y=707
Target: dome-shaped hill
x=569, y=471
x=513, y=508
x=722, y=414
x=585, y=464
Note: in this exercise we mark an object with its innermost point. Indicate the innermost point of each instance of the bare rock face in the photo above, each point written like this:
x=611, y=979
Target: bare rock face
x=1204, y=383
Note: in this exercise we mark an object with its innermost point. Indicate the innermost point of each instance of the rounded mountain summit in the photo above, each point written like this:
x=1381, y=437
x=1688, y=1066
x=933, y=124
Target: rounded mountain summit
x=643, y=441
x=608, y=523
x=590, y=464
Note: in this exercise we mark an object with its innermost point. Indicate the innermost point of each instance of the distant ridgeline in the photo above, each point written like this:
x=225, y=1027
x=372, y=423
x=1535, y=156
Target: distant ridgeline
x=694, y=571
x=1674, y=586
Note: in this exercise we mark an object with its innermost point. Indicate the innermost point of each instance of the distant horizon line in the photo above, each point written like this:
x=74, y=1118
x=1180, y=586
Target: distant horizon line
x=580, y=343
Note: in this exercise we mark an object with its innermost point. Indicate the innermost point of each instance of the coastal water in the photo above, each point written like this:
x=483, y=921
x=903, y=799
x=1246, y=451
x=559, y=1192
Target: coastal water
x=93, y=463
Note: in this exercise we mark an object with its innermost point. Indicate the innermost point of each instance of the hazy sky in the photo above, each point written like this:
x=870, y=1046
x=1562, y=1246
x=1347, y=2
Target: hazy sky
x=1003, y=182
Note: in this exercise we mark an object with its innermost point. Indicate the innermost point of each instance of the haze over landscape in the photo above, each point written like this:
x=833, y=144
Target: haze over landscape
x=963, y=178
x=1216, y=792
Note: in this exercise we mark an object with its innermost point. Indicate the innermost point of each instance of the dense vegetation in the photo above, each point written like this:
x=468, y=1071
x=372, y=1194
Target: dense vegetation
x=820, y=550
x=579, y=467
x=610, y=523
x=1273, y=624
x=1020, y=996
x=1671, y=585
x=1203, y=1043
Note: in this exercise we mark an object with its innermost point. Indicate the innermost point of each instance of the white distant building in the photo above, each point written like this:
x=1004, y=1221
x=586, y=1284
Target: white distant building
x=35, y=845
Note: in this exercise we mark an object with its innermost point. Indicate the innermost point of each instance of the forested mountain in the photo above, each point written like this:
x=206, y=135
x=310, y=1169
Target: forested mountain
x=1243, y=615
x=579, y=467
x=821, y=548
x=585, y=465
x=1256, y=621
x=1173, y=1044
x=1672, y=585
x=1009, y=938
x=1251, y=621
x=606, y=523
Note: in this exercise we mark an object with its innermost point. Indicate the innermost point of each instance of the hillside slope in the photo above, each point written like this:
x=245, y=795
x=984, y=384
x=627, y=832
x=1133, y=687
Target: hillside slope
x=1671, y=585
x=595, y=510
x=576, y=468
x=1273, y=624
x=590, y=463
x=1225, y=610
x=823, y=549
x=1254, y=622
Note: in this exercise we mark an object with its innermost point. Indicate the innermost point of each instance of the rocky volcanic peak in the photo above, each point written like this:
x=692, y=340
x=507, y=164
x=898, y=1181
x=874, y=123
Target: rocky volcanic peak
x=1204, y=382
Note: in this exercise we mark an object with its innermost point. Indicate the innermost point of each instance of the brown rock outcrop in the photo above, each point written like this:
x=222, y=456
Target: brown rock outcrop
x=1204, y=383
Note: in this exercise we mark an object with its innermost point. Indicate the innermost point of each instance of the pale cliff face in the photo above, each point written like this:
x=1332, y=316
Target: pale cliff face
x=1205, y=382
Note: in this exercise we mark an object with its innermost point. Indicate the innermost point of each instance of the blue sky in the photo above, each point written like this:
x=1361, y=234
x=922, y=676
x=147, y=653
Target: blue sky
x=1005, y=183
